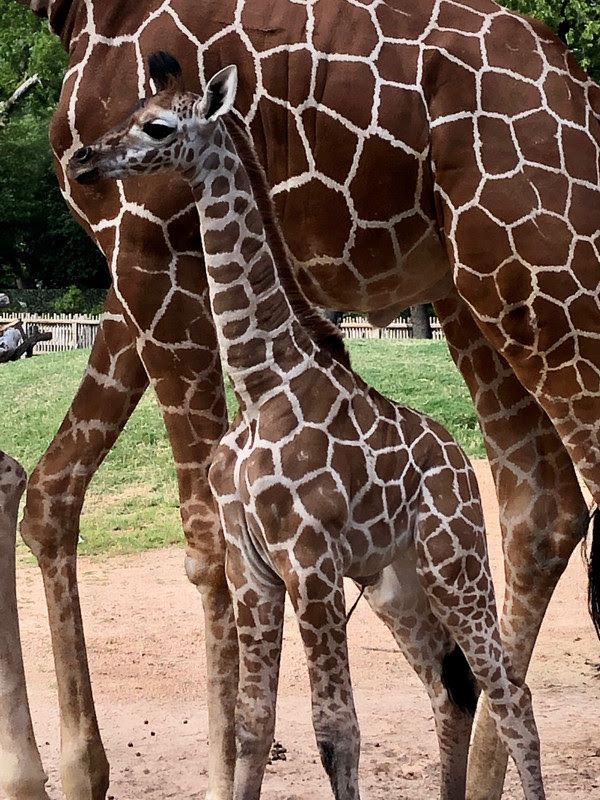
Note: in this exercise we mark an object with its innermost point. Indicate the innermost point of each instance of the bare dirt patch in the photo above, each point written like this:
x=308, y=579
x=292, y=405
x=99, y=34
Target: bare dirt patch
x=146, y=648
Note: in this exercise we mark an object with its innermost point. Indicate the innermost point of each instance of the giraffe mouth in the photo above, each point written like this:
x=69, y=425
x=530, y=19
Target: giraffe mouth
x=87, y=176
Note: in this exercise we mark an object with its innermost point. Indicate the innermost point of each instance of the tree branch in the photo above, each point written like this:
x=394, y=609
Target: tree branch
x=20, y=92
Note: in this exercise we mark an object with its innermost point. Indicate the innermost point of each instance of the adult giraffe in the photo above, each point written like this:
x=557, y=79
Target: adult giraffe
x=415, y=148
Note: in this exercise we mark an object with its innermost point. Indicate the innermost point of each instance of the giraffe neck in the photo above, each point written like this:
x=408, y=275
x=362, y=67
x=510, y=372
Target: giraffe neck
x=257, y=306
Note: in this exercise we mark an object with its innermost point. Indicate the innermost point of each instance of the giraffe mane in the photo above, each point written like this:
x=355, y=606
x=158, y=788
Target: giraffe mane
x=323, y=332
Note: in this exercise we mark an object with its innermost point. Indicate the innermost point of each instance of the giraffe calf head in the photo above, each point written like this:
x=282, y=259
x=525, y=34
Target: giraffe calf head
x=164, y=133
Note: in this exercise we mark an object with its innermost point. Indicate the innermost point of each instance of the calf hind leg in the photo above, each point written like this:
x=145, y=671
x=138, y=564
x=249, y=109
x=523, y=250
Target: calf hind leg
x=400, y=601
x=462, y=599
x=541, y=514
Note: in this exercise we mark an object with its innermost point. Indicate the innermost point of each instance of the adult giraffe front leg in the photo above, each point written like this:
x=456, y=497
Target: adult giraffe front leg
x=542, y=513
x=111, y=387
x=162, y=287
x=22, y=776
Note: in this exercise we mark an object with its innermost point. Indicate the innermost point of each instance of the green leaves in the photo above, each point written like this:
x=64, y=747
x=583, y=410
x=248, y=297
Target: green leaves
x=41, y=244
x=28, y=47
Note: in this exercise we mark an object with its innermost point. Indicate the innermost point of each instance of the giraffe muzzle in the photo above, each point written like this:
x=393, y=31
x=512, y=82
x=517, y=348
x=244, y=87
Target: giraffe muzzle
x=80, y=166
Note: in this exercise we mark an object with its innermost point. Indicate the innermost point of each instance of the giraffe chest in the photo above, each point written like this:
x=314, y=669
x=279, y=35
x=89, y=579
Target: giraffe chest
x=342, y=483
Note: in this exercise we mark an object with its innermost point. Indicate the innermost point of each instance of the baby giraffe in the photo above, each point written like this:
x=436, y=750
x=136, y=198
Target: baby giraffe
x=319, y=476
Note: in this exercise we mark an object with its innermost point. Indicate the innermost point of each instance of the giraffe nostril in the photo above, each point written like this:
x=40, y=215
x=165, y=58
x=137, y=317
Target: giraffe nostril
x=83, y=154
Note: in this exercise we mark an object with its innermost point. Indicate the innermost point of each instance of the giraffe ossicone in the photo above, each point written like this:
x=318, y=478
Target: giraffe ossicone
x=319, y=476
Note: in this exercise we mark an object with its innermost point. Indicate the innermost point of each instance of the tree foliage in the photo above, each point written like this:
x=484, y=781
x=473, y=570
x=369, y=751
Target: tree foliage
x=41, y=244
x=28, y=47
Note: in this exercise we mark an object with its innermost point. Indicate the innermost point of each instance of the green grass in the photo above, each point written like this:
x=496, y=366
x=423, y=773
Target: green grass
x=132, y=502
x=421, y=374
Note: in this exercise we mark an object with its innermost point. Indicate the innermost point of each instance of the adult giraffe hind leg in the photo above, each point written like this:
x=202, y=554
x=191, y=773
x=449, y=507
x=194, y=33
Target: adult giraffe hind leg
x=22, y=776
x=112, y=385
x=542, y=514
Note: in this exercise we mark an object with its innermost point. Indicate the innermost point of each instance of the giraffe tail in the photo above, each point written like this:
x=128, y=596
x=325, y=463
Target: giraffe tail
x=459, y=681
x=593, y=562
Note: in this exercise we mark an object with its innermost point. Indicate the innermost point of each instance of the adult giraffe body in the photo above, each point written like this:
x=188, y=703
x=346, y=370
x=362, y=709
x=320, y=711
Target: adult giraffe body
x=413, y=147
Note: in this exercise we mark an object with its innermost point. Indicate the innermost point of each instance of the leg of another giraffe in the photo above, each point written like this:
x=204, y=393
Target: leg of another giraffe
x=542, y=512
x=399, y=600
x=168, y=308
x=195, y=424
x=21, y=773
x=112, y=385
x=188, y=381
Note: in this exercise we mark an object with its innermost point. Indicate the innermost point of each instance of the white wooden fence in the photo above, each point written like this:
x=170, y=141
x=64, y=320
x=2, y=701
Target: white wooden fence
x=70, y=332
x=359, y=328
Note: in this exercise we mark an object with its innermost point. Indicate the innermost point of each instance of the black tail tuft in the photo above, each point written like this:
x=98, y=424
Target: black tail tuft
x=459, y=681
x=593, y=562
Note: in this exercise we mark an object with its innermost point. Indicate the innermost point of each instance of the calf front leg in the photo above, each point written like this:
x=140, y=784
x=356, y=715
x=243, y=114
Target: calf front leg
x=258, y=596
x=321, y=612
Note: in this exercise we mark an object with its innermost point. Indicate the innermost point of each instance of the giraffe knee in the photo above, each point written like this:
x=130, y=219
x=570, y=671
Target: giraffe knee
x=205, y=551
x=207, y=575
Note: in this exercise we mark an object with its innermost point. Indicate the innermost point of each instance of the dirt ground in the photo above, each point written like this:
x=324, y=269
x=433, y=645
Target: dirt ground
x=145, y=639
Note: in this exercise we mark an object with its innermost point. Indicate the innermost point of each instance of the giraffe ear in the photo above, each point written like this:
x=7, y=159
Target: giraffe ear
x=219, y=96
x=165, y=71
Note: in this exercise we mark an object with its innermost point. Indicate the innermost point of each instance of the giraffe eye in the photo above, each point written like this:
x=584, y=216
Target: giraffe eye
x=157, y=130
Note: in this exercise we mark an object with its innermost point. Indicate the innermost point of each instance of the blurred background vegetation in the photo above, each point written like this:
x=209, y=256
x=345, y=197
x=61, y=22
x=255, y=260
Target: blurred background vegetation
x=41, y=246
